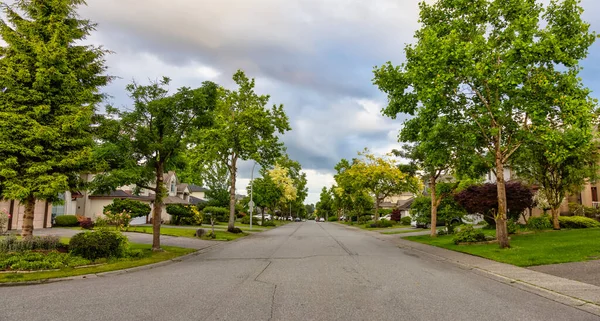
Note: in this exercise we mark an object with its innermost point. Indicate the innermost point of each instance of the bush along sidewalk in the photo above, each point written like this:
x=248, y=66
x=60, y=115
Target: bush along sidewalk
x=46, y=257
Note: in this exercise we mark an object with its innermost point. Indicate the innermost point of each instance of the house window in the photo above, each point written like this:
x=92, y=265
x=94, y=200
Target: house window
x=173, y=186
x=594, y=194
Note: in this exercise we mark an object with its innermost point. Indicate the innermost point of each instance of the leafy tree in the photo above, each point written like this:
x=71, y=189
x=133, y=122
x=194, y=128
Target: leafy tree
x=141, y=144
x=505, y=68
x=310, y=209
x=438, y=148
x=49, y=85
x=381, y=177
x=299, y=182
x=325, y=204
x=134, y=208
x=482, y=199
x=245, y=129
x=448, y=209
x=284, y=182
x=266, y=193
x=559, y=160
x=179, y=211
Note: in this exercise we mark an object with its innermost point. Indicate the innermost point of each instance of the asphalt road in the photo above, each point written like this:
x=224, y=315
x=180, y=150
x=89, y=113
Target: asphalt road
x=300, y=271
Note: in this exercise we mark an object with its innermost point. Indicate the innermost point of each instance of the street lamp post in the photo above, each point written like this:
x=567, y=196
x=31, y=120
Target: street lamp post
x=251, y=204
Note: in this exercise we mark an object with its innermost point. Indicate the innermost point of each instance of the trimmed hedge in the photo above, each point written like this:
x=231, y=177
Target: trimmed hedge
x=577, y=222
x=66, y=220
x=539, y=223
x=99, y=244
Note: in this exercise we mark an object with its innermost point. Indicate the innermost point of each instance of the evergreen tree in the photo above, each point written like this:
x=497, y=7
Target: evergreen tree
x=49, y=89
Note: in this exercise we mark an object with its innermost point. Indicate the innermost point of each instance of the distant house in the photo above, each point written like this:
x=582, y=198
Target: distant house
x=400, y=201
x=197, y=194
x=92, y=205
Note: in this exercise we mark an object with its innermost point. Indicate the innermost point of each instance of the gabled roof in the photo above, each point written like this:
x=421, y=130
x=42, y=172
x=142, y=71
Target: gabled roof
x=181, y=187
x=405, y=204
x=197, y=200
x=123, y=194
x=195, y=188
x=167, y=176
x=174, y=200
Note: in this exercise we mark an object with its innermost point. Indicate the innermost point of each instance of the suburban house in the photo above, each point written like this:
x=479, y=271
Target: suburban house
x=197, y=193
x=92, y=205
x=400, y=201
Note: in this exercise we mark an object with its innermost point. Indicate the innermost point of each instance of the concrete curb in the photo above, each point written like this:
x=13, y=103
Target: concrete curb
x=531, y=287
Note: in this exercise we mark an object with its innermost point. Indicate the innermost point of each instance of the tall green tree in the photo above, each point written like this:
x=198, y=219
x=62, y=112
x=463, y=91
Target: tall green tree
x=325, y=204
x=245, y=130
x=505, y=67
x=49, y=90
x=299, y=182
x=381, y=177
x=560, y=160
x=141, y=144
x=266, y=193
x=438, y=148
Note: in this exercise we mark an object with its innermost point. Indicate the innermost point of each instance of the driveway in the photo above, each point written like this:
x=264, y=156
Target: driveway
x=300, y=271
x=586, y=272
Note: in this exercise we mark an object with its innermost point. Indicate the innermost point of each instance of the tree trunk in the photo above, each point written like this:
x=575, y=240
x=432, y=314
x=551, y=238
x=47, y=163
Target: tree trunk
x=501, y=230
x=233, y=172
x=262, y=217
x=376, y=209
x=555, y=214
x=434, y=206
x=27, y=227
x=158, y=202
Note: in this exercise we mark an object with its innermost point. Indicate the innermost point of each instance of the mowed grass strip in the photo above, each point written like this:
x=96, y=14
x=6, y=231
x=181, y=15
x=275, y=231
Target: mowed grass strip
x=184, y=232
x=545, y=247
x=149, y=257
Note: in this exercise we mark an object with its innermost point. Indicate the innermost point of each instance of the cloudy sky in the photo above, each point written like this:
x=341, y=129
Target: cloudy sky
x=314, y=56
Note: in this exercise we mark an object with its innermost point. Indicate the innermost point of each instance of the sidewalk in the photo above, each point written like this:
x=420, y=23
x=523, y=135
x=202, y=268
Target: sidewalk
x=577, y=294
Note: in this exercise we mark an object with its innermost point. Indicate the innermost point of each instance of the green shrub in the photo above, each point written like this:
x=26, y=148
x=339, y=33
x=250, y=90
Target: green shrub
x=511, y=226
x=99, y=244
x=31, y=261
x=577, y=222
x=539, y=223
x=467, y=233
x=11, y=243
x=332, y=219
x=442, y=232
x=381, y=224
x=405, y=220
x=268, y=223
x=134, y=208
x=246, y=220
x=385, y=211
x=221, y=214
x=66, y=220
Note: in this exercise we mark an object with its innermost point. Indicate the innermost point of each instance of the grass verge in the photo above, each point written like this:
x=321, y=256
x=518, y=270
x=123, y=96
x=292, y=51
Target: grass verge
x=545, y=247
x=149, y=257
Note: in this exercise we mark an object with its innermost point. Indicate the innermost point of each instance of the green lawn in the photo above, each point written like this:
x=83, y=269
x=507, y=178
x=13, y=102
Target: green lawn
x=190, y=232
x=413, y=230
x=365, y=226
x=184, y=232
x=546, y=247
x=150, y=257
x=224, y=236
